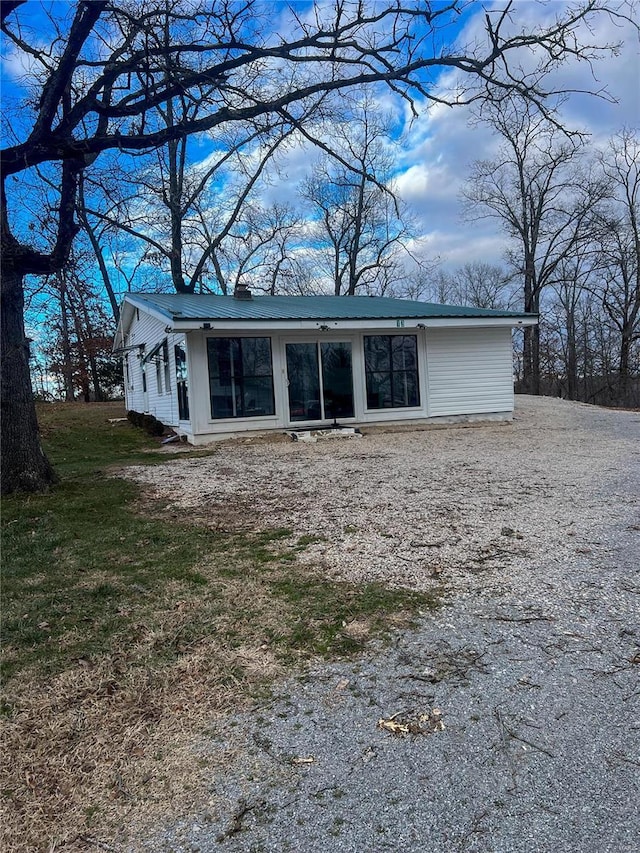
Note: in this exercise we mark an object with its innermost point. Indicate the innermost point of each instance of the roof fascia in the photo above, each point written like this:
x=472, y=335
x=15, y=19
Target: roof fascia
x=240, y=325
x=127, y=313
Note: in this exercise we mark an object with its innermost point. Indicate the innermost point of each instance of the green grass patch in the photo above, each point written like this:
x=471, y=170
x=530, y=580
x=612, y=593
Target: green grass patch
x=326, y=611
x=78, y=563
x=90, y=571
x=80, y=440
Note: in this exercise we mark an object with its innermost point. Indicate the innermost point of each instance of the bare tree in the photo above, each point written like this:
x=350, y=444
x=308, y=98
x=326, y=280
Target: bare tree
x=476, y=283
x=75, y=330
x=536, y=189
x=620, y=249
x=100, y=73
x=357, y=226
x=260, y=250
x=176, y=211
x=566, y=319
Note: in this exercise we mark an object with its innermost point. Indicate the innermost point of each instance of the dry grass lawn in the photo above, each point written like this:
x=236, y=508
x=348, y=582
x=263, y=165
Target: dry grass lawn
x=126, y=629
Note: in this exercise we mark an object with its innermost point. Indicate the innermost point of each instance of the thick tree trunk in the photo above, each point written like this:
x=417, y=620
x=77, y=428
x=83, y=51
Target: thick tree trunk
x=25, y=468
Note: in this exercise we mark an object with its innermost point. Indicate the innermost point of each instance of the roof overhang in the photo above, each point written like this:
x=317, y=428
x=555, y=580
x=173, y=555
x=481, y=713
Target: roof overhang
x=346, y=325
x=127, y=313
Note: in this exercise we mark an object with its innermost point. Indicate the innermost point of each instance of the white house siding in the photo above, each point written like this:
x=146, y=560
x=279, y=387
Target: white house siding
x=462, y=372
x=133, y=396
x=469, y=371
x=161, y=402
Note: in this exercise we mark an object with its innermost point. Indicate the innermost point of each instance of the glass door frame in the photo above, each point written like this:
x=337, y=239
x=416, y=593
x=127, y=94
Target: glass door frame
x=318, y=340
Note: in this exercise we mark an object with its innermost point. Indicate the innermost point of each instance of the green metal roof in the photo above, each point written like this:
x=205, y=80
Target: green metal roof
x=192, y=306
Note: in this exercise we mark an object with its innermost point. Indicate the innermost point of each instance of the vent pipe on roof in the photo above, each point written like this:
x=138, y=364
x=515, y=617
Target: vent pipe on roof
x=242, y=292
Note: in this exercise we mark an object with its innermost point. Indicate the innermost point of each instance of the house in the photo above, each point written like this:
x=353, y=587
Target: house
x=212, y=366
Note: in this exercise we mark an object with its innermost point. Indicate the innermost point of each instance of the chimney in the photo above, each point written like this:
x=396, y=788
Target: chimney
x=242, y=292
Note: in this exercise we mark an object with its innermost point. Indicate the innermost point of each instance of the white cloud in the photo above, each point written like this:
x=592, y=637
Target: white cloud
x=18, y=66
x=440, y=145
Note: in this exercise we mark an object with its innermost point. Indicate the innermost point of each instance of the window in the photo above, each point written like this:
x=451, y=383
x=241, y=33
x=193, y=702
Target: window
x=159, y=373
x=391, y=369
x=182, y=382
x=306, y=364
x=240, y=377
x=167, y=367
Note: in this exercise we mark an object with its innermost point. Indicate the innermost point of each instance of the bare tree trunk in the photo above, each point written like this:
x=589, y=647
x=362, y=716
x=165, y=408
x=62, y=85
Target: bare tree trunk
x=86, y=352
x=587, y=362
x=571, y=365
x=624, y=376
x=82, y=357
x=356, y=236
x=67, y=367
x=24, y=464
x=175, y=193
x=97, y=249
x=531, y=361
x=531, y=353
x=89, y=344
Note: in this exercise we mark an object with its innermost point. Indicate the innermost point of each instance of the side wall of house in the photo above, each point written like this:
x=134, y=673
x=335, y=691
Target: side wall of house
x=470, y=371
x=159, y=398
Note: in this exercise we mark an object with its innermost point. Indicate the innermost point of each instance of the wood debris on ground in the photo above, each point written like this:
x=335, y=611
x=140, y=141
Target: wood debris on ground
x=413, y=722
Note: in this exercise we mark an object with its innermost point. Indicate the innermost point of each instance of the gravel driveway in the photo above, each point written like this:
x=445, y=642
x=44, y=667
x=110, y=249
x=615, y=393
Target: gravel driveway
x=520, y=695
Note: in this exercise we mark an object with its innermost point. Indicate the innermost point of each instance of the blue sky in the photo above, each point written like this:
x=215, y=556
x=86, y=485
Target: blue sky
x=437, y=148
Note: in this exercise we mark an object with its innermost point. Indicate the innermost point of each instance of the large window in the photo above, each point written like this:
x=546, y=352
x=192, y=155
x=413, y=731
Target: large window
x=240, y=377
x=391, y=368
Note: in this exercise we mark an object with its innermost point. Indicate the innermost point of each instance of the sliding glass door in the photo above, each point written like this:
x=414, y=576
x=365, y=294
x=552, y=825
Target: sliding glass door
x=304, y=382
x=337, y=379
x=320, y=380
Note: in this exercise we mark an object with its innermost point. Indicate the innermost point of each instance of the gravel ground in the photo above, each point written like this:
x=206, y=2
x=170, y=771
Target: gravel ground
x=520, y=694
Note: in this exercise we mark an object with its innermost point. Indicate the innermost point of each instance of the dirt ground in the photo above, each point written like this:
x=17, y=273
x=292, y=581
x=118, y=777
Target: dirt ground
x=417, y=507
